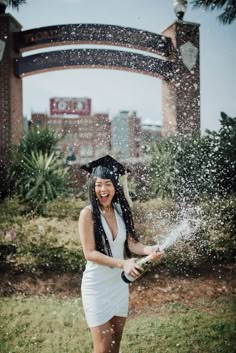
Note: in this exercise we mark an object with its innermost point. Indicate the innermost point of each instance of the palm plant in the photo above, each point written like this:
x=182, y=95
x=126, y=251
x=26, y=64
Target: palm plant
x=38, y=174
x=229, y=8
x=15, y=4
x=42, y=180
x=37, y=139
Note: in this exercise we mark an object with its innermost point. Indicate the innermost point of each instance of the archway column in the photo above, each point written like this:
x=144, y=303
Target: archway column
x=11, y=117
x=181, y=94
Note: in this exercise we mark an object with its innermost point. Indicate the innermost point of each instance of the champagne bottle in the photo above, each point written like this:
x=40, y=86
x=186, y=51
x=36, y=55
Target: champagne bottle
x=144, y=262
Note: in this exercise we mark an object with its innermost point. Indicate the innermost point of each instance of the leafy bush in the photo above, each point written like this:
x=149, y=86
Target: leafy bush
x=40, y=253
x=224, y=154
x=66, y=207
x=162, y=169
x=38, y=171
x=220, y=227
x=6, y=250
x=4, y=180
x=194, y=168
x=205, y=232
x=42, y=179
x=55, y=258
x=154, y=218
x=37, y=140
x=209, y=229
x=40, y=243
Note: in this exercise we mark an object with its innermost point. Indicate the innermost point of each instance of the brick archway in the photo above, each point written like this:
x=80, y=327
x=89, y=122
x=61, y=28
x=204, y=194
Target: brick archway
x=177, y=65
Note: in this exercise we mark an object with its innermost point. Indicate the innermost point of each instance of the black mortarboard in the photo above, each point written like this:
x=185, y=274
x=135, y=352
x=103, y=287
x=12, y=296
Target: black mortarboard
x=106, y=168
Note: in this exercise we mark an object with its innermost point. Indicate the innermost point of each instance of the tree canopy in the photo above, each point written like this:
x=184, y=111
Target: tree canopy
x=228, y=7
x=15, y=4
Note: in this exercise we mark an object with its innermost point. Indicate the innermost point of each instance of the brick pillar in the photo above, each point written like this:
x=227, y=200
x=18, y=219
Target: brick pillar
x=181, y=95
x=11, y=117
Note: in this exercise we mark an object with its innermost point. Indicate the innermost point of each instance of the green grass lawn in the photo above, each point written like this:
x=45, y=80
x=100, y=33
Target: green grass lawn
x=49, y=325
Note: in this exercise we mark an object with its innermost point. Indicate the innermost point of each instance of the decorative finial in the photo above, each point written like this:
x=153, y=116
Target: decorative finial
x=180, y=7
x=3, y=5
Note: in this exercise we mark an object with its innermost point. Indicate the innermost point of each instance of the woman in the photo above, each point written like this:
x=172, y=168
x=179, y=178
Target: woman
x=107, y=231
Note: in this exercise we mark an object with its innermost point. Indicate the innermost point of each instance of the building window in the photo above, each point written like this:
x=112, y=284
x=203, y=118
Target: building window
x=86, y=151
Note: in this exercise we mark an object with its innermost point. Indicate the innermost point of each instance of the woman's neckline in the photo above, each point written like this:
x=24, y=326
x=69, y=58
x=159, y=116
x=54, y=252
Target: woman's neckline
x=108, y=226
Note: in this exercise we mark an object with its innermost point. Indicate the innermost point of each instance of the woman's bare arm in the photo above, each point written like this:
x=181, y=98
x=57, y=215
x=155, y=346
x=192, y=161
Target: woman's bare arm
x=141, y=249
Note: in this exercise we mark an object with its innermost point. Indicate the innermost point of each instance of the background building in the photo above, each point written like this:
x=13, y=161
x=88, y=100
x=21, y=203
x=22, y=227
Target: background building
x=83, y=136
x=86, y=136
x=102, y=135
x=126, y=135
x=70, y=106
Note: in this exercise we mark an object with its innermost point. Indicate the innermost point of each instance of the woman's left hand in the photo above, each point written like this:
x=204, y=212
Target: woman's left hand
x=154, y=248
x=155, y=254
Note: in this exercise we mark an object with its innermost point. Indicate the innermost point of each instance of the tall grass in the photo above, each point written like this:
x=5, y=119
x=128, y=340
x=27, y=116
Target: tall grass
x=49, y=325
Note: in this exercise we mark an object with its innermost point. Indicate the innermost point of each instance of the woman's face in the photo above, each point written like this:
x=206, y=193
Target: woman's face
x=105, y=191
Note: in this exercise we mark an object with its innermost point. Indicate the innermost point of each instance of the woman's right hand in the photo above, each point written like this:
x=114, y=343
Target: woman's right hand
x=132, y=268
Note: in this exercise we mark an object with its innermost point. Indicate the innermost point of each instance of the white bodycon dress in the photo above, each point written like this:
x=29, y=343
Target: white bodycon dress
x=104, y=293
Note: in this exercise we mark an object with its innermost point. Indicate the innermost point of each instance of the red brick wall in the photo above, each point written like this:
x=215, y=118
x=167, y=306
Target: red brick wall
x=11, y=118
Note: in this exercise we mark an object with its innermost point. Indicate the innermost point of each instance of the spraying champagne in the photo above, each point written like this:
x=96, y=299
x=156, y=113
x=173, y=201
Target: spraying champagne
x=182, y=230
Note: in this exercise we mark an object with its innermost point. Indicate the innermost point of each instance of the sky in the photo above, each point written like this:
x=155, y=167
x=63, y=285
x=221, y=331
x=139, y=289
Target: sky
x=112, y=90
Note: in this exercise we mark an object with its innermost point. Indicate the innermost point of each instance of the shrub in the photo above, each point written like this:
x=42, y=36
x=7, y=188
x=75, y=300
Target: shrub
x=195, y=168
x=4, y=180
x=37, y=140
x=162, y=169
x=37, y=173
x=42, y=179
x=40, y=243
x=205, y=232
x=223, y=145
x=55, y=258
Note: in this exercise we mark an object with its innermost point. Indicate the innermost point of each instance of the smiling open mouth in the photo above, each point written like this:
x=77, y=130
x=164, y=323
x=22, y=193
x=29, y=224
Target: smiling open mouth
x=104, y=197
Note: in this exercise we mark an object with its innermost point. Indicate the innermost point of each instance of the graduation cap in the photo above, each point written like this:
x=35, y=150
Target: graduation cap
x=106, y=168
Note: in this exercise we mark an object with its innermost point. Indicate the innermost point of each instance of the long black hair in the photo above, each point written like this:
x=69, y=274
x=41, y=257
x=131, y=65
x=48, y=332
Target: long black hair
x=120, y=203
